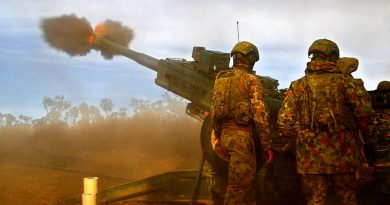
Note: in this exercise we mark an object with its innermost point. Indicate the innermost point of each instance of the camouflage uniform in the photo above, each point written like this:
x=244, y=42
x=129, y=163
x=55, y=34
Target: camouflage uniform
x=238, y=109
x=315, y=185
x=382, y=122
x=348, y=65
x=237, y=143
x=384, y=125
x=323, y=153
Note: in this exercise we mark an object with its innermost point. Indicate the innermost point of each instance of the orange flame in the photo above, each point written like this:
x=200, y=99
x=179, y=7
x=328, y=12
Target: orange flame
x=91, y=39
x=101, y=30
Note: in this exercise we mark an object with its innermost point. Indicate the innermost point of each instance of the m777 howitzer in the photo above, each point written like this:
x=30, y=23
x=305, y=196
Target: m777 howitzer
x=193, y=80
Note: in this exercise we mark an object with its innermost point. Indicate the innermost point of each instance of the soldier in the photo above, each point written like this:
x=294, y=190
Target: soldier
x=382, y=120
x=238, y=109
x=383, y=86
x=321, y=113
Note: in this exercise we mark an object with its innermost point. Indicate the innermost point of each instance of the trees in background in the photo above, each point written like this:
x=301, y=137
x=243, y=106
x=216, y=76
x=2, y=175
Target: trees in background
x=170, y=105
x=157, y=126
x=106, y=105
x=56, y=109
x=8, y=120
x=24, y=120
x=60, y=111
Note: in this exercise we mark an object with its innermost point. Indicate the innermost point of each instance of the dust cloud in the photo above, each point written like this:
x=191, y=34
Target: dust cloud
x=53, y=158
x=70, y=34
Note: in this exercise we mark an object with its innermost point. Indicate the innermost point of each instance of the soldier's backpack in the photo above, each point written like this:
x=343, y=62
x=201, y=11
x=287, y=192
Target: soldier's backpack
x=229, y=102
x=347, y=65
x=325, y=100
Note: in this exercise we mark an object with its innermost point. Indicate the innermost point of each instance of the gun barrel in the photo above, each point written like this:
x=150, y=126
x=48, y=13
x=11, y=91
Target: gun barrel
x=140, y=58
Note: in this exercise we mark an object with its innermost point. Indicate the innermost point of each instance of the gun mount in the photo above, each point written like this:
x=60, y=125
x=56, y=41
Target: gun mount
x=192, y=80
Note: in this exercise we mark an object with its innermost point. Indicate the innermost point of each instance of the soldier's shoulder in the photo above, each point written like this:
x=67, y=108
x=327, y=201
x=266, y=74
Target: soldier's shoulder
x=298, y=82
x=250, y=77
x=224, y=73
x=355, y=83
x=358, y=81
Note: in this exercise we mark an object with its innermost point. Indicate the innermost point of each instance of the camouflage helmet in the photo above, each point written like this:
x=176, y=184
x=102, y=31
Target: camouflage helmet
x=384, y=86
x=325, y=46
x=245, y=48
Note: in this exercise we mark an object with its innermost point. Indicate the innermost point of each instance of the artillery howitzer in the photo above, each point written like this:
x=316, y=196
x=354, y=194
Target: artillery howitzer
x=194, y=81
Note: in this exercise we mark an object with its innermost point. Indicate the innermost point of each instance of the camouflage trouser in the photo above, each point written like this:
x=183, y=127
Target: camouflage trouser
x=315, y=187
x=242, y=167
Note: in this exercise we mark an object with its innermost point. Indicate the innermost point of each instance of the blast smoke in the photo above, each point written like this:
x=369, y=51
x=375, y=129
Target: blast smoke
x=116, y=33
x=68, y=33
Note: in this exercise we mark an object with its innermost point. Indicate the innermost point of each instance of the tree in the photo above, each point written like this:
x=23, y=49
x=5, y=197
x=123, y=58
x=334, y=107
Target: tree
x=1, y=119
x=171, y=106
x=74, y=114
x=123, y=113
x=37, y=123
x=140, y=105
x=24, y=120
x=48, y=104
x=84, y=112
x=107, y=106
x=114, y=115
x=9, y=119
x=94, y=114
x=55, y=107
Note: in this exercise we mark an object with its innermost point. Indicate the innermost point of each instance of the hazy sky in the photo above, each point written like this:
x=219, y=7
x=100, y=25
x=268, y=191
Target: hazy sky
x=283, y=30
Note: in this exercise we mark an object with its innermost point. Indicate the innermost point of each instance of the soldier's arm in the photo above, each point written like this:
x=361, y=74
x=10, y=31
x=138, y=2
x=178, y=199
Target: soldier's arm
x=287, y=113
x=260, y=115
x=359, y=101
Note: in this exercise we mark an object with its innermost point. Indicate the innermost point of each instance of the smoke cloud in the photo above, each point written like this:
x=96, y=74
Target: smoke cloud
x=68, y=33
x=116, y=33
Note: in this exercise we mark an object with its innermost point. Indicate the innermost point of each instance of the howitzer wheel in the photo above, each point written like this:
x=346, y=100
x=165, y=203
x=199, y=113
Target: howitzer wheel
x=219, y=165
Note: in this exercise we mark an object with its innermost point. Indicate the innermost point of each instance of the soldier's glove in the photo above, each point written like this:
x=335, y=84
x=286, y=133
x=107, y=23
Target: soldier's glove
x=370, y=151
x=217, y=128
x=287, y=149
x=217, y=134
x=270, y=155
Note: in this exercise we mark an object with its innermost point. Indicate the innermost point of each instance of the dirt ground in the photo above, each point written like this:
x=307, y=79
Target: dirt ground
x=44, y=171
